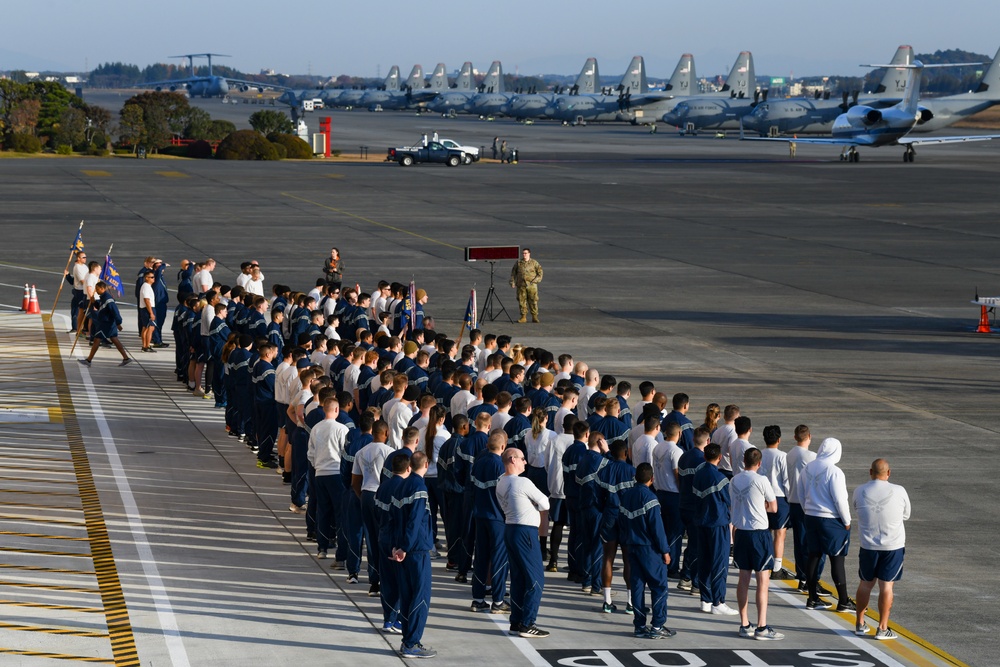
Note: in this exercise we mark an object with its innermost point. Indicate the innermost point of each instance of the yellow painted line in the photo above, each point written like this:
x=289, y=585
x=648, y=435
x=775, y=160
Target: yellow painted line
x=371, y=222
x=39, y=519
x=41, y=493
x=53, y=607
x=54, y=459
x=897, y=647
x=115, y=610
x=333, y=175
x=43, y=536
x=52, y=631
x=56, y=656
x=36, y=481
x=173, y=174
x=95, y=172
x=37, y=568
x=48, y=506
x=50, y=587
x=40, y=552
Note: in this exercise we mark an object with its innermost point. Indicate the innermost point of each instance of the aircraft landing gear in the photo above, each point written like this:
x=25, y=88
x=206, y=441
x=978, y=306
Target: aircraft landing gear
x=910, y=154
x=850, y=154
x=652, y=128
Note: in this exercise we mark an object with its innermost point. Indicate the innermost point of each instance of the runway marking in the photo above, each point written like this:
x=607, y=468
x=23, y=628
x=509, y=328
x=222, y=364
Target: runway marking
x=43, y=536
x=37, y=289
x=26, y=415
x=56, y=656
x=30, y=268
x=173, y=174
x=53, y=607
x=522, y=644
x=124, y=643
x=109, y=586
x=333, y=175
x=40, y=552
x=52, y=631
x=97, y=173
x=38, y=568
x=370, y=221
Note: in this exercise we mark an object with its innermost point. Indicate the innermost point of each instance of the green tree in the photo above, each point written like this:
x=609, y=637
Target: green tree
x=220, y=130
x=198, y=124
x=98, y=121
x=130, y=126
x=24, y=117
x=12, y=94
x=71, y=128
x=267, y=122
x=55, y=99
x=163, y=115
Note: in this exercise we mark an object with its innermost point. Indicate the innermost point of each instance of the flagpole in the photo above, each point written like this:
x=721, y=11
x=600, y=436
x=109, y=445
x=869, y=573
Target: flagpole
x=65, y=273
x=79, y=330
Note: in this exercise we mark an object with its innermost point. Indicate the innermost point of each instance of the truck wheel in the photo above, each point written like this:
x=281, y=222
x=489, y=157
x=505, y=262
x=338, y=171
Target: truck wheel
x=406, y=161
x=467, y=159
x=454, y=161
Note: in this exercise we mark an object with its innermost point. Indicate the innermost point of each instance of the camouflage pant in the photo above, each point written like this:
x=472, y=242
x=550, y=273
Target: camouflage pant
x=527, y=299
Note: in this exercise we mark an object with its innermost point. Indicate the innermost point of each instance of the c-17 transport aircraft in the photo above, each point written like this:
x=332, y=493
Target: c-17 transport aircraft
x=816, y=114
x=207, y=86
x=864, y=125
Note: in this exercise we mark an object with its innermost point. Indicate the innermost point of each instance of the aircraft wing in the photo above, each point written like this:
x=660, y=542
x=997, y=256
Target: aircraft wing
x=829, y=141
x=651, y=97
x=173, y=82
x=919, y=141
x=254, y=84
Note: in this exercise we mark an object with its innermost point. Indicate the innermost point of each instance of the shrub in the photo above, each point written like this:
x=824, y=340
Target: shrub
x=200, y=149
x=280, y=149
x=64, y=149
x=175, y=151
x=97, y=151
x=246, y=145
x=294, y=146
x=24, y=143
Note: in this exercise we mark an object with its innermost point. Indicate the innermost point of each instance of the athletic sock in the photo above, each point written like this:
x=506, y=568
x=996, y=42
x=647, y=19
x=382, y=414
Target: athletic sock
x=607, y=595
x=777, y=564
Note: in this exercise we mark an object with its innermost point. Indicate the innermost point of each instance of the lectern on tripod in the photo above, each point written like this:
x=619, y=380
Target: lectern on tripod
x=493, y=307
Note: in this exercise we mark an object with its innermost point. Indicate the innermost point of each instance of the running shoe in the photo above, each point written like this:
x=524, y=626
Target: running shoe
x=660, y=633
x=374, y=590
x=722, y=609
x=816, y=603
x=883, y=635
x=479, y=606
x=684, y=585
x=500, y=608
x=861, y=629
x=352, y=578
x=416, y=651
x=848, y=605
x=126, y=361
x=746, y=631
x=767, y=633
x=85, y=362
x=532, y=632
x=609, y=608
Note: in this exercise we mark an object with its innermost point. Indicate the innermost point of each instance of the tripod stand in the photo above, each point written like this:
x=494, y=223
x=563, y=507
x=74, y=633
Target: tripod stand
x=491, y=297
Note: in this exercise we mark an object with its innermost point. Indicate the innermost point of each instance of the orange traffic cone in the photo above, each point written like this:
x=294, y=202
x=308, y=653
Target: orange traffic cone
x=984, y=321
x=33, y=308
x=26, y=300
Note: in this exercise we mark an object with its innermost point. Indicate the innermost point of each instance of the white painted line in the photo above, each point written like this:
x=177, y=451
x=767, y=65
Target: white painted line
x=28, y=268
x=829, y=620
x=21, y=287
x=164, y=610
x=522, y=644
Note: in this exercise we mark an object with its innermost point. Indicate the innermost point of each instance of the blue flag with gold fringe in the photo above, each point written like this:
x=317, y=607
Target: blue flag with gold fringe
x=78, y=243
x=470, y=312
x=110, y=276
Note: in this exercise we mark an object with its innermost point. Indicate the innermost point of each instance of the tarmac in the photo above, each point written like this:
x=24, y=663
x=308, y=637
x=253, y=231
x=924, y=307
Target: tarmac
x=805, y=291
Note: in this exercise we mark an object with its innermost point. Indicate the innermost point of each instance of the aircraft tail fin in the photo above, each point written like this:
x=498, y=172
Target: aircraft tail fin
x=741, y=81
x=588, y=82
x=990, y=85
x=894, y=85
x=464, y=80
x=683, y=79
x=392, y=80
x=634, y=79
x=439, y=79
x=416, y=79
x=493, y=83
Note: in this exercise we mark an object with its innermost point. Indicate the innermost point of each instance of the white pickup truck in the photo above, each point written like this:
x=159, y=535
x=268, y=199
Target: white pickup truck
x=471, y=152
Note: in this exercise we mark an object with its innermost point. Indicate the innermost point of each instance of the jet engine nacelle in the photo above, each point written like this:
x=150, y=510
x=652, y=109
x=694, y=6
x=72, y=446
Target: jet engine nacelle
x=863, y=116
x=923, y=115
x=244, y=89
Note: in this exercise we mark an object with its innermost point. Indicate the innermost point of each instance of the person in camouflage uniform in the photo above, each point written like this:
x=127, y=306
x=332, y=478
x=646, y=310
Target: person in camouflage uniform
x=525, y=276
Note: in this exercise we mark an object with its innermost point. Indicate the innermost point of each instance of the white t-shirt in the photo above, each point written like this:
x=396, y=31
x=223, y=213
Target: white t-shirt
x=242, y=279
x=724, y=436
x=255, y=286
x=666, y=457
x=882, y=508
x=90, y=284
x=490, y=376
x=560, y=418
x=796, y=461
x=749, y=491
x=774, y=466
x=351, y=375
x=581, y=406
x=440, y=438
x=520, y=500
x=737, y=449
x=80, y=273
x=203, y=281
x=281, y=384
x=146, y=292
x=554, y=466
x=207, y=315
x=481, y=361
x=314, y=292
x=538, y=447
x=368, y=463
x=399, y=419
x=642, y=450
x=499, y=419
x=460, y=402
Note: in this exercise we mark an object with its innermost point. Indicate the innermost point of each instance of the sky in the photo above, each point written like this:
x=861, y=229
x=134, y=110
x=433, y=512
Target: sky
x=528, y=37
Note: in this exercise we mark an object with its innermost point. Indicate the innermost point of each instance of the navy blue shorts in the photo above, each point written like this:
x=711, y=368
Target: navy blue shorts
x=144, y=320
x=557, y=510
x=779, y=519
x=826, y=536
x=883, y=565
x=753, y=550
